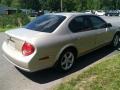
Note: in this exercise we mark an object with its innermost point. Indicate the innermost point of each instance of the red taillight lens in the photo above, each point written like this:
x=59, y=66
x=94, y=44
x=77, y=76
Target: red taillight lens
x=27, y=49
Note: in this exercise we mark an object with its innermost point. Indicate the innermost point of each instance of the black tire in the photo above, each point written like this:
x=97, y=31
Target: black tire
x=115, y=41
x=66, y=64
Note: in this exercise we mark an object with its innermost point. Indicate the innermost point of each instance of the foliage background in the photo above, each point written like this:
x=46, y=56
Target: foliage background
x=68, y=5
x=14, y=20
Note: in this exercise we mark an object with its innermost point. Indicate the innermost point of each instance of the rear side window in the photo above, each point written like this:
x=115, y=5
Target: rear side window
x=46, y=23
x=80, y=23
x=97, y=22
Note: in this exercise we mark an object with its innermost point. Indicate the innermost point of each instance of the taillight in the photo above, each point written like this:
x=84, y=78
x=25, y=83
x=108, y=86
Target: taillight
x=27, y=49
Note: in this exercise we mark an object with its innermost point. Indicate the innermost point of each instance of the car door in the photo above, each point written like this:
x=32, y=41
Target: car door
x=82, y=33
x=103, y=32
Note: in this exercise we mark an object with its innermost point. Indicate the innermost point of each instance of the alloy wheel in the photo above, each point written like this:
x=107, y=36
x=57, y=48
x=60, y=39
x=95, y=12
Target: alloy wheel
x=67, y=60
x=116, y=41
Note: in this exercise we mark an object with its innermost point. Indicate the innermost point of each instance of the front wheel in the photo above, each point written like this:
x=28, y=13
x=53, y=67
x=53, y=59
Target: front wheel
x=66, y=60
x=115, y=41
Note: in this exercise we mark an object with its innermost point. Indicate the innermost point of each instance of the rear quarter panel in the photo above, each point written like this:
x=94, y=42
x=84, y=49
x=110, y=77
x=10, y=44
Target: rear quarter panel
x=51, y=47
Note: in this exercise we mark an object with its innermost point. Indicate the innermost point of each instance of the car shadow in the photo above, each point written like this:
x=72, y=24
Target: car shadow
x=48, y=75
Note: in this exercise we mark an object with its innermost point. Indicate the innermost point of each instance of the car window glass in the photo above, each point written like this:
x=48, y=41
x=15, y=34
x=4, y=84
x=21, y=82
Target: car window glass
x=87, y=24
x=45, y=23
x=97, y=22
x=79, y=24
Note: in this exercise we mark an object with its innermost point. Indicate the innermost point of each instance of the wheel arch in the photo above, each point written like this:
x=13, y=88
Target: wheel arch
x=70, y=46
x=118, y=32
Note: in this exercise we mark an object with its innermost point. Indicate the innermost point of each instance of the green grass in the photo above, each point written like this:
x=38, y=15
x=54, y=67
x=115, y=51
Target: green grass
x=12, y=27
x=103, y=76
x=5, y=29
x=32, y=18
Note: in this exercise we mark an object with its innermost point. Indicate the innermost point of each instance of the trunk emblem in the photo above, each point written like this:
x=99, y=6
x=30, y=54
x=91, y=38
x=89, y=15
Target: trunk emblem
x=10, y=39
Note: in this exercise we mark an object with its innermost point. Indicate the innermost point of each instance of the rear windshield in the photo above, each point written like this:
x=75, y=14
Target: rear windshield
x=46, y=23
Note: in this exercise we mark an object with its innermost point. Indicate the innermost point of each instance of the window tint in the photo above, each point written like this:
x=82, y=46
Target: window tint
x=80, y=23
x=97, y=22
x=45, y=23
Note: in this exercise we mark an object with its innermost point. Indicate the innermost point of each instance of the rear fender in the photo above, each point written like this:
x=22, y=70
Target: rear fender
x=62, y=49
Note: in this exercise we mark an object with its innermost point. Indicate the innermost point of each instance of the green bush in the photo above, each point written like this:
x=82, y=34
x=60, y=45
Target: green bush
x=14, y=20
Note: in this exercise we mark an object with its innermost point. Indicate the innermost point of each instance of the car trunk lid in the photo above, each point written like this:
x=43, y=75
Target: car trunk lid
x=17, y=37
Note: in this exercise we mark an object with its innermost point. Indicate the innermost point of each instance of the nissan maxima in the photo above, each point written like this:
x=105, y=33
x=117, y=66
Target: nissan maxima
x=57, y=39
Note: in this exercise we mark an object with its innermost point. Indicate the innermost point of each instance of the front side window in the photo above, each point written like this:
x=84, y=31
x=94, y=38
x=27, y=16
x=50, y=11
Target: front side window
x=46, y=23
x=79, y=24
x=97, y=22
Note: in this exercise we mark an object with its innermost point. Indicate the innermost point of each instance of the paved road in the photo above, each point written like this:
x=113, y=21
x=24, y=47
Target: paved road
x=12, y=78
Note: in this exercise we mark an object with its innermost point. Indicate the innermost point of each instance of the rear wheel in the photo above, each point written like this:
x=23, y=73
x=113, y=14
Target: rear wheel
x=66, y=60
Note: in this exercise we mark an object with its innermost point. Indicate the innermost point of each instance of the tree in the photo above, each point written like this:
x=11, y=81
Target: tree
x=69, y=5
x=16, y=3
x=52, y=5
x=6, y=2
x=78, y=5
x=32, y=4
x=27, y=4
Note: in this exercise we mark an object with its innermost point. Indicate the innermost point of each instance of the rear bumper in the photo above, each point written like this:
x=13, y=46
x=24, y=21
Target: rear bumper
x=16, y=58
x=29, y=64
x=14, y=63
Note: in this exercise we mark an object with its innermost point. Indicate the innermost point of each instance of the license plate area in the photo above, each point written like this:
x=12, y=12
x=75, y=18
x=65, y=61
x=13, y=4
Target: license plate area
x=11, y=44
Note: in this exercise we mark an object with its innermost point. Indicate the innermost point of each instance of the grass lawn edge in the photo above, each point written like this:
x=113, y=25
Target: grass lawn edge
x=72, y=76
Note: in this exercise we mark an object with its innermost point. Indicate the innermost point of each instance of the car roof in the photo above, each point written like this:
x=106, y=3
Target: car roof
x=69, y=14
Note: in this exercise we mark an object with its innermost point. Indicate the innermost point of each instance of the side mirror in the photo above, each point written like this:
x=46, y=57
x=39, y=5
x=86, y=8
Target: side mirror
x=108, y=25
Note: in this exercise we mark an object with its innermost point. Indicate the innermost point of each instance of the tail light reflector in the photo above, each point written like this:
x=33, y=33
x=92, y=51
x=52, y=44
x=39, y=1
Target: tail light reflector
x=27, y=49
